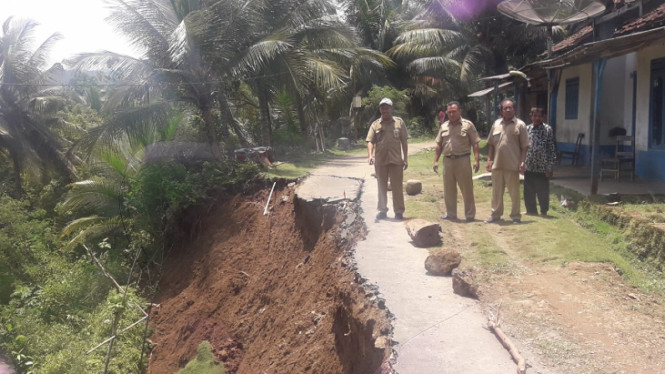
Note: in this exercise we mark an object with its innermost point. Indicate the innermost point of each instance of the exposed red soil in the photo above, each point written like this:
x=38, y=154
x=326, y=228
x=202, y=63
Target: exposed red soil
x=272, y=294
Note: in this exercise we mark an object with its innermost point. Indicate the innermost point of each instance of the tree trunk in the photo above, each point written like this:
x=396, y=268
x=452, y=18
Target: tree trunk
x=209, y=121
x=301, y=115
x=18, y=186
x=266, y=125
x=227, y=116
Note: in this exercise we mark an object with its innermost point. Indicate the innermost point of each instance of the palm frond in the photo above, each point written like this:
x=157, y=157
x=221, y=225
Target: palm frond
x=40, y=55
x=78, y=224
x=98, y=194
x=475, y=62
x=435, y=66
x=134, y=124
x=147, y=23
x=91, y=229
x=259, y=54
x=325, y=74
x=122, y=67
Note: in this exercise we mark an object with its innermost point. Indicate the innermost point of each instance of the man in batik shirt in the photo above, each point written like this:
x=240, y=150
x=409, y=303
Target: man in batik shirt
x=540, y=160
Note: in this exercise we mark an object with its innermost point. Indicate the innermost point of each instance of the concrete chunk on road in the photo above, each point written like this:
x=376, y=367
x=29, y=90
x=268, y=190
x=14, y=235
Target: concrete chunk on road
x=424, y=233
x=413, y=187
x=442, y=262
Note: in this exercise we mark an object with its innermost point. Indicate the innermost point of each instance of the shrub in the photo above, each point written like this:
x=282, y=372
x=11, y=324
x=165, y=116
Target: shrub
x=165, y=190
x=204, y=363
x=370, y=104
x=418, y=127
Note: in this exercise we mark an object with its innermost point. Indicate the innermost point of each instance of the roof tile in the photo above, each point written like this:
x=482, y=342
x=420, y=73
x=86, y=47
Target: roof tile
x=650, y=20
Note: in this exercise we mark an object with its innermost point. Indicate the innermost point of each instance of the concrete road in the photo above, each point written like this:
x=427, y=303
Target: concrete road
x=435, y=330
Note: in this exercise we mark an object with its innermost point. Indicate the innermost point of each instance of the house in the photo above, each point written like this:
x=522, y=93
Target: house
x=608, y=78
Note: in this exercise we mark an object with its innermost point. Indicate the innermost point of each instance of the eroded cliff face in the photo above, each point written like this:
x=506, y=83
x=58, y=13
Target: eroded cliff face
x=274, y=293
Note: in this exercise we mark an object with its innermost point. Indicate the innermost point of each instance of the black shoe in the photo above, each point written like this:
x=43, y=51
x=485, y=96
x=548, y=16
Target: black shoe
x=381, y=215
x=517, y=220
x=399, y=216
x=470, y=219
x=531, y=213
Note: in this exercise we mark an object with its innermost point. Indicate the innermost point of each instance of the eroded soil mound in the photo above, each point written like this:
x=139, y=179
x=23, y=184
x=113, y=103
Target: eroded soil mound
x=272, y=294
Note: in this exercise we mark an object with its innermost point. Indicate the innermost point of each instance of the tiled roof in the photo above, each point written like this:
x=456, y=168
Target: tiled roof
x=573, y=40
x=650, y=20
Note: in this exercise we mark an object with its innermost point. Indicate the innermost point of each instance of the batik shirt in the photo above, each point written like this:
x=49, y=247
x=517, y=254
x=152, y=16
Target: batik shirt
x=541, y=155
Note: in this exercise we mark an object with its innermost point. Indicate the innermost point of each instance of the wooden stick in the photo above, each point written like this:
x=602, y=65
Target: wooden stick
x=102, y=269
x=493, y=324
x=116, y=335
x=265, y=210
x=109, y=276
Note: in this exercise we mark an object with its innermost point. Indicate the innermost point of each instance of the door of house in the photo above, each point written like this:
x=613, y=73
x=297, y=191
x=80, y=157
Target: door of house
x=657, y=104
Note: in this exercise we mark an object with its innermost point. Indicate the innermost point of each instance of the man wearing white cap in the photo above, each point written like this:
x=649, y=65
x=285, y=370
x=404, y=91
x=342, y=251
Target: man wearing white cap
x=386, y=143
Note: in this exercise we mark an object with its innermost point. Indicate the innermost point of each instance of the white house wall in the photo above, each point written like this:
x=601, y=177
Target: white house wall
x=644, y=58
x=567, y=129
x=616, y=108
x=650, y=163
x=613, y=104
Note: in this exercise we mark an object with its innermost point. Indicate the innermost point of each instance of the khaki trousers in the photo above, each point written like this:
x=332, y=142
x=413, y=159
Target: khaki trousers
x=396, y=175
x=457, y=172
x=502, y=179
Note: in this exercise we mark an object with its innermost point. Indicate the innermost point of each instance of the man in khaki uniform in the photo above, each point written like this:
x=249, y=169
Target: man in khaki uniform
x=454, y=139
x=508, y=143
x=386, y=142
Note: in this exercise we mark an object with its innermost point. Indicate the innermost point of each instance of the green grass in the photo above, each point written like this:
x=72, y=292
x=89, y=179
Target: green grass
x=569, y=235
x=297, y=165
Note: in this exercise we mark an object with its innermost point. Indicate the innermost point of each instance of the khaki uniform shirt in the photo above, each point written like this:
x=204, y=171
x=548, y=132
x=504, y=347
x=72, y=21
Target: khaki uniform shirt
x=387, y=137
x=457, y=138
x=508, y=140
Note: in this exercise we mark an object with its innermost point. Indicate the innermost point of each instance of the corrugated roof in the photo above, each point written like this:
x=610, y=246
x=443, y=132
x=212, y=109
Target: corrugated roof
x=488, y=90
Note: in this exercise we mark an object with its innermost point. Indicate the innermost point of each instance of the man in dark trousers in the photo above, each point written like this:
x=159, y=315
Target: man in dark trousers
x=540, y=160
x=386, y=143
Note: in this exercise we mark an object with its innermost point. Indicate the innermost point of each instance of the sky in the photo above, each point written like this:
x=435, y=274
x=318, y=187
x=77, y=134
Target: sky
x=81, y=22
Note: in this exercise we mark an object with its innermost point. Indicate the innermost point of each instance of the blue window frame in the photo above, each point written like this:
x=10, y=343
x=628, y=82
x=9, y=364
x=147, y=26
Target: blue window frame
x=657, y=104
x=572, y=97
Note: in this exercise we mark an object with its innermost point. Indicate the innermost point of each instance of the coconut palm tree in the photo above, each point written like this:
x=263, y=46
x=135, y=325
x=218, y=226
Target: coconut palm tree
x=29, y=99
x=444, y=54
x=98, y=206
x=311, y=60
x=173, y=68
x=374, y=20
